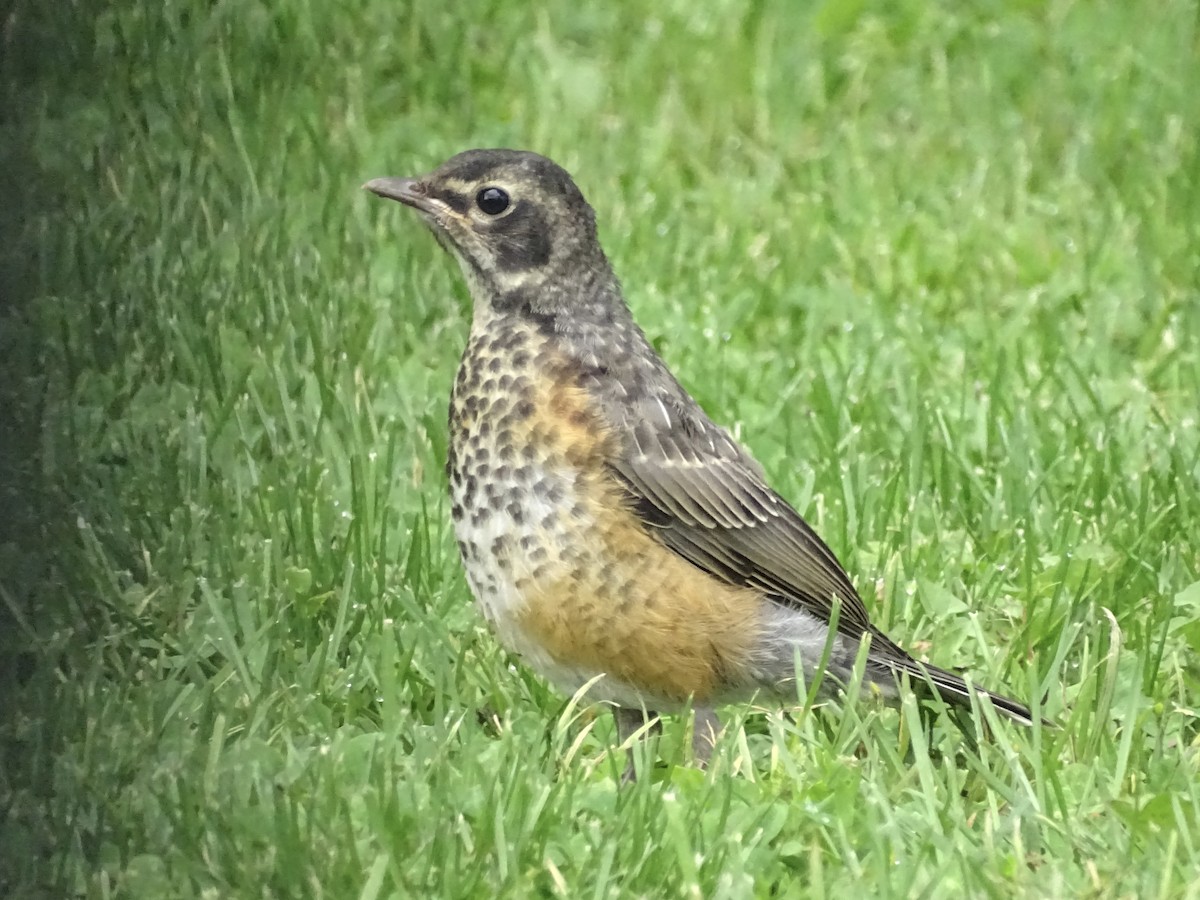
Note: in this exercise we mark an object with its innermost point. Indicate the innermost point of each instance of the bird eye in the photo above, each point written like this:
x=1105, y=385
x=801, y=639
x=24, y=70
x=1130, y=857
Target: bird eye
x=492, y=200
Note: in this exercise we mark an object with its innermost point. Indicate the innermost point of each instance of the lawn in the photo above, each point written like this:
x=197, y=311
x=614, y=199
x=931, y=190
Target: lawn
x=937, y=264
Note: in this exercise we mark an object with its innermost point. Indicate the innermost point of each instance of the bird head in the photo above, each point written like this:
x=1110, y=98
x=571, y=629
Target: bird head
x=516, y=222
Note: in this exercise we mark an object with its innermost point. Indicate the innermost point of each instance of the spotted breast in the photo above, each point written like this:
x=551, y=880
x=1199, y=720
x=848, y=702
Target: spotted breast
x=557, y=562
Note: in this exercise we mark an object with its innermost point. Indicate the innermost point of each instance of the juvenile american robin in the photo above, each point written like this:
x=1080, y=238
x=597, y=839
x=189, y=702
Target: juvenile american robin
x=608, y=528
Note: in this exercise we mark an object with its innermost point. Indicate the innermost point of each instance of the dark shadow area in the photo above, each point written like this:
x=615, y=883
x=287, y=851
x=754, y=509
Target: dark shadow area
x=45, y=60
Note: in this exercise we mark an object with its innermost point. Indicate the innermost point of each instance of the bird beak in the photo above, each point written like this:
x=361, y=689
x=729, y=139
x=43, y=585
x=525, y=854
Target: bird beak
x=408, y=191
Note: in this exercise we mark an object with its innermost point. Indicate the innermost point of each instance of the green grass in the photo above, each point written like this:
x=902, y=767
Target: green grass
x=936, y=263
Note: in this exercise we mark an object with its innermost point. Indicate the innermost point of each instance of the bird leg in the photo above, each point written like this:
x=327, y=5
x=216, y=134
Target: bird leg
x=629, y=720
x=705, y=730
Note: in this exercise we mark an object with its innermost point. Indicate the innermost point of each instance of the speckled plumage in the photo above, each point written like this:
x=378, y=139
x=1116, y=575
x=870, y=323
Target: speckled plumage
x=607, y=526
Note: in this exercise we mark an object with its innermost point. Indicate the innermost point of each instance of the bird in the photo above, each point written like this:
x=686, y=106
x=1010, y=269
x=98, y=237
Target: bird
x=614, y=536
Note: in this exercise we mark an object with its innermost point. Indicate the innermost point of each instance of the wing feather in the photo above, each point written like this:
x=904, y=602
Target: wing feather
x=709, y=502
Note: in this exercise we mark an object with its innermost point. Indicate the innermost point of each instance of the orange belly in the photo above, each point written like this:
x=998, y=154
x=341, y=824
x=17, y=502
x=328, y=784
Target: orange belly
x=634, y=610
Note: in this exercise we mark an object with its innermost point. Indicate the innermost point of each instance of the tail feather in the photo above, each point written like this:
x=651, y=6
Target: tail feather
x=954, y=690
